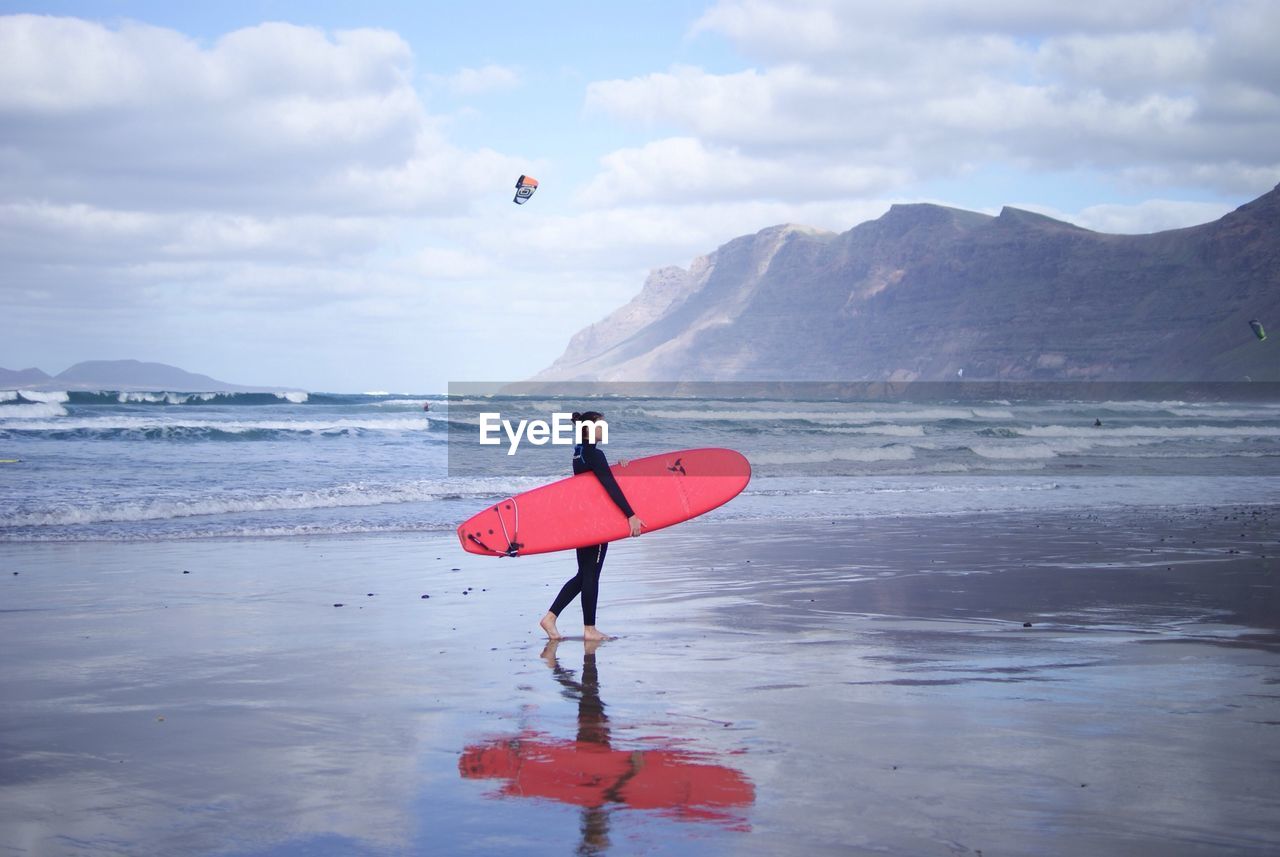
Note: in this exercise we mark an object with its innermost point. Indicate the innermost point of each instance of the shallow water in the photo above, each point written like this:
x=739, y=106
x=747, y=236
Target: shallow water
x=814, y=688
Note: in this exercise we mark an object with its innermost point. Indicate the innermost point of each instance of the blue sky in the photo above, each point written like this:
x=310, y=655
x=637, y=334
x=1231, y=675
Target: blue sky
x=318, y=194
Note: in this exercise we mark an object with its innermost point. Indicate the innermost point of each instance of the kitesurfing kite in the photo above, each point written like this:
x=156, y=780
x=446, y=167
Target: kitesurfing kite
x=525, y=186
x=1257, y=329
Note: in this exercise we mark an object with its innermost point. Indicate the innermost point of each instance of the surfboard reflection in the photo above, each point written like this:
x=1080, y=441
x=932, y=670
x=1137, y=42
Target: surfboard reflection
x=588, y=771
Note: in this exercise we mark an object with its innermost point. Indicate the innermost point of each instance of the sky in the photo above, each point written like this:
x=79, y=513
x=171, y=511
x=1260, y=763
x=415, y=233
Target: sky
x=318, y=194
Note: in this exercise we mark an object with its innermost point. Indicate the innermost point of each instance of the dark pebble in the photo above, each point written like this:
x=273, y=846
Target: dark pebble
x=426, y=596
x=370, y=594
x=455, y=569
x=337, y=605
x=1026, y=624
x=184, y=571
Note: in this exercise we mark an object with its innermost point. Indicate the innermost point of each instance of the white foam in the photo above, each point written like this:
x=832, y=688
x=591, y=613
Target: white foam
x=8, y=395
x=44, y=395
x=853, y=453
x=856, y=416
x=1260, y=411
x=1105, y=432
x=182, y=423
x=33, y=411
x=295, y=396
x=1011, y=452
x=156, y=398
x=885, y=430
x=348, y=495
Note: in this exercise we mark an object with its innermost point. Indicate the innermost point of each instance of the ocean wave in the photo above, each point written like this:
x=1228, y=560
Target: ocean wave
x=188, y=397
x=859, y=416
x=159, y=398
x=863, y=488
x=400, y=403
x=349, y=495
x=884, y=430
x=56, y=396
x=853, y=453
x=30, y=411
x=1104, y=432
x=1011, y=452
x=1259, y=411
x=345, y=528
x=178, y=428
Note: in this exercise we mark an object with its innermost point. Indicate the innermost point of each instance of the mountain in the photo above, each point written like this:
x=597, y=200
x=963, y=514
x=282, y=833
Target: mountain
x=927, y=292
x=11, y=378
x=122, y=375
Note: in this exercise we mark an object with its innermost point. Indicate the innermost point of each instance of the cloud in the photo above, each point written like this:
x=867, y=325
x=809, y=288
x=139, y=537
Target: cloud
x=824, y=28
x=674, y=169
x=1155, y=215
x=478, y=81
x=276, y=118
x=930, y=90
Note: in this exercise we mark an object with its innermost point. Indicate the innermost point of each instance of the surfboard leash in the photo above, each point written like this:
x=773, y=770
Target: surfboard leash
x=513, y=546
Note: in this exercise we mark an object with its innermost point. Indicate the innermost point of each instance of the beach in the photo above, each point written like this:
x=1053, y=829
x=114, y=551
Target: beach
x=1048, y=682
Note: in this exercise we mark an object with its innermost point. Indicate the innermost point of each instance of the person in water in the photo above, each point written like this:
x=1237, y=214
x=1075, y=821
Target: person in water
x=587, y=457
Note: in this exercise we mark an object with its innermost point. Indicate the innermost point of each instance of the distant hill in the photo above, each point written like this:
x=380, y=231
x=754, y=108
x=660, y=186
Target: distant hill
x=10, y=378
x=123, y=375
x=927, y=293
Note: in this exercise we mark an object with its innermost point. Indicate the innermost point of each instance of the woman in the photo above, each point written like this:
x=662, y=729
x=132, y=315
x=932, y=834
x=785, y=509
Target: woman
x=590, y=559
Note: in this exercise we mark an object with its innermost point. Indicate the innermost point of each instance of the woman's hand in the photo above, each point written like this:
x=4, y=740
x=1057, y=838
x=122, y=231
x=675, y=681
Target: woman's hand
x=636, y=525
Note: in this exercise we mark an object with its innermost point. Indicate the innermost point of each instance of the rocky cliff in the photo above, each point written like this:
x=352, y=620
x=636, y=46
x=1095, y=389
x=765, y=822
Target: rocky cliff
x=933, y=293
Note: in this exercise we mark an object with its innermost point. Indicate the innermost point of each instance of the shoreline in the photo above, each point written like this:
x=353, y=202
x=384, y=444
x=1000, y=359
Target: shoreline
x=1136, y=512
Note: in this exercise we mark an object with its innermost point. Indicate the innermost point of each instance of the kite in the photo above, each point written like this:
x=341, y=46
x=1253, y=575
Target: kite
x=525, y=186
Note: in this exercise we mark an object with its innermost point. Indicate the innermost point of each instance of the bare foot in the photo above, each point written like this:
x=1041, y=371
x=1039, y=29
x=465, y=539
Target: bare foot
x=548, y=624
x=590, y=633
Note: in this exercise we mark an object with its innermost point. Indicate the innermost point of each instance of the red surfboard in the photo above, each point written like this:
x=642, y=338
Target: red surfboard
x=576, y=512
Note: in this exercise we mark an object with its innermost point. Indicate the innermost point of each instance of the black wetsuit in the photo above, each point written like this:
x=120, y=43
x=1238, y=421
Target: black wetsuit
x=590, y=559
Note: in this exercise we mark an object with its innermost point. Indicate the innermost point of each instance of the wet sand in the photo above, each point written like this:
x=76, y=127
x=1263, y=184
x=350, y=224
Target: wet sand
x=805, y=687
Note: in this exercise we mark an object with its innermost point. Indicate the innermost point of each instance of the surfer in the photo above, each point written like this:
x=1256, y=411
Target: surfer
x=587, y=457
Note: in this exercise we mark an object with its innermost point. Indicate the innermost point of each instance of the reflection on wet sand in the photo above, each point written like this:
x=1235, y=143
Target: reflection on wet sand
x=590, y=772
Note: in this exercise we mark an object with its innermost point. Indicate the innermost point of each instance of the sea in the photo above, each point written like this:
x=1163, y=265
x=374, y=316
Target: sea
x=129, y=466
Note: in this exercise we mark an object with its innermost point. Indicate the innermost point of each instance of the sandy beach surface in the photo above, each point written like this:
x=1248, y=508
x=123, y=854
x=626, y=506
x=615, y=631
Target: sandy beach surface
x=1056, y=684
